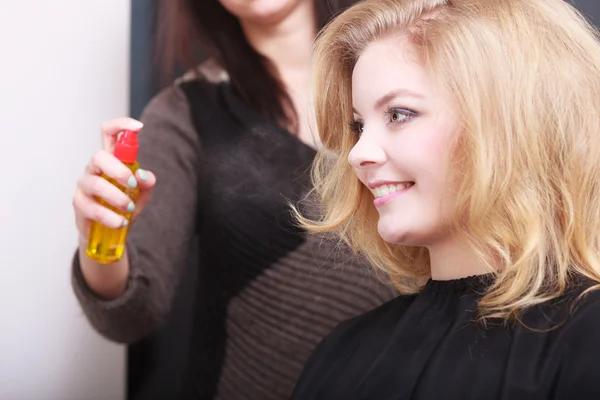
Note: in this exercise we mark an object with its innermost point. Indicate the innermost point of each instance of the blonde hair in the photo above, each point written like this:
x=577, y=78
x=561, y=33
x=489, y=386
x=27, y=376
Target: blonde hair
x=524, y=76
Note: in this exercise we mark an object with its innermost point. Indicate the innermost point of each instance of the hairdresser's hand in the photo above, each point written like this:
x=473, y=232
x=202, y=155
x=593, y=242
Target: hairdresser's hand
x=91, y=185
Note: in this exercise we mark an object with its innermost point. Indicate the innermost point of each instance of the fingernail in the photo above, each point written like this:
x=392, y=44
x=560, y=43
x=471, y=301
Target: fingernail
x=130, y=207
x=143, y=175
x=125, y=223
x=132, y=182
x=138, y=124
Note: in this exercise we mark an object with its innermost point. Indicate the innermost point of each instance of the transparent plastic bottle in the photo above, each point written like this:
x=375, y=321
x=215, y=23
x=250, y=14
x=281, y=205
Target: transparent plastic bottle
x=106, y=245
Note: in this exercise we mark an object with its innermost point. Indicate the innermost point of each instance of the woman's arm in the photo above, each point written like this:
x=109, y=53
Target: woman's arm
x=141, y=286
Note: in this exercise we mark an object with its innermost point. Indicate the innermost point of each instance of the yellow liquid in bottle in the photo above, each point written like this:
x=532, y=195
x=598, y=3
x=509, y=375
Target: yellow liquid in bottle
x=106, y=245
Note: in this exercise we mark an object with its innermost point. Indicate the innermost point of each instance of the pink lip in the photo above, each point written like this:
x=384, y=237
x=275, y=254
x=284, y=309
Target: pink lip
x=387, y=198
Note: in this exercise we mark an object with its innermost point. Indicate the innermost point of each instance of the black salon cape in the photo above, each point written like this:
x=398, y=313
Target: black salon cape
x=429, y=347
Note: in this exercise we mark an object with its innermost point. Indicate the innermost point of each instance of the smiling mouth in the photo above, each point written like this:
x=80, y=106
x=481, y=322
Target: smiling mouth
x=385, y=190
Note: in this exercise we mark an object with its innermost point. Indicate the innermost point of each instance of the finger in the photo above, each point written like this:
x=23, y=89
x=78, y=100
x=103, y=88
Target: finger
x=84, y=229
x=90, y=209
x=83, y=226
x=94, y=185
x=146, y=179
x=112, y=127
x=104, y=162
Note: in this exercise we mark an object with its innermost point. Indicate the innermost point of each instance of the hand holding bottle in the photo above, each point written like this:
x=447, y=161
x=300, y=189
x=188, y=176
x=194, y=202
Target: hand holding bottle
x=112, y=191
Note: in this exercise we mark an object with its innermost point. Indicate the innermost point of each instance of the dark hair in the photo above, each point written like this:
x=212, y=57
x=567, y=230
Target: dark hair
x=189, y=26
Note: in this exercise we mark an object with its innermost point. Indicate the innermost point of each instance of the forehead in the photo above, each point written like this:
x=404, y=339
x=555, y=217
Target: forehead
x=391, y=63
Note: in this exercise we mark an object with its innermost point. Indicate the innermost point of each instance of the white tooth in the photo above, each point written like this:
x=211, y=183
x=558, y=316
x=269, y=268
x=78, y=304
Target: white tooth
x=407, y=185
x=378, y=192
x=385, y=190
x=399, y=187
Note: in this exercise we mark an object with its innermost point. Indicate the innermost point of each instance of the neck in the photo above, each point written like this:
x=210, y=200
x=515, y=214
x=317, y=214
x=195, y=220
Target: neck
x=454, y=259
x=286, y=43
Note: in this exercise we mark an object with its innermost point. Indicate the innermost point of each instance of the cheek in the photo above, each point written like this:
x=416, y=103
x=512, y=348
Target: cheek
x=435, y=174
x=431, y=155
x=361, y=175
x=418, y=158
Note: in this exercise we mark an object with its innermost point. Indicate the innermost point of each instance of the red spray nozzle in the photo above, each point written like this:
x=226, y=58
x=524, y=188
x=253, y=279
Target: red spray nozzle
x=127, y=146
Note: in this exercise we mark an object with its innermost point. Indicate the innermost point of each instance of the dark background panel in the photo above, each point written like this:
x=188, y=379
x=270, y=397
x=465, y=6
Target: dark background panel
x=143, y=71
x=156, y=364
x=591, y=9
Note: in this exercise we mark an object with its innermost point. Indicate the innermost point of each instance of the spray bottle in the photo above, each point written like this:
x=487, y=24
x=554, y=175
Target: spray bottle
x=107, y=245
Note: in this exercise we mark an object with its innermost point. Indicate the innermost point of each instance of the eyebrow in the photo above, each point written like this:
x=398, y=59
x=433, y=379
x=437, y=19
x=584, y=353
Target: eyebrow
x=394, y=94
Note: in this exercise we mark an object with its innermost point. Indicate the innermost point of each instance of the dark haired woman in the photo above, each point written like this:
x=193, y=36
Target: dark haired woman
x=224, y=149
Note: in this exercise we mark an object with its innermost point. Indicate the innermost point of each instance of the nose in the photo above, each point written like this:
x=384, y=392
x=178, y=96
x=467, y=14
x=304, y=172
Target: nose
x=366, y=153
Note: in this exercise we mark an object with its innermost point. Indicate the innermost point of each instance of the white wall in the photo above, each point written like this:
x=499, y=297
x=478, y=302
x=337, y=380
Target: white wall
x=63, y=69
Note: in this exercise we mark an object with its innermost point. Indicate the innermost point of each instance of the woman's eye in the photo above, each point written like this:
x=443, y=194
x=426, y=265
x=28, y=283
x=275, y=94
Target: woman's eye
x=397, y=115
x=357, y=127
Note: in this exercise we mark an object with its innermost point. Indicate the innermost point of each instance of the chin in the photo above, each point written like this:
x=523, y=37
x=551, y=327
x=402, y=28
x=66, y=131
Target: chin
x=260, y=11
x=393, y=233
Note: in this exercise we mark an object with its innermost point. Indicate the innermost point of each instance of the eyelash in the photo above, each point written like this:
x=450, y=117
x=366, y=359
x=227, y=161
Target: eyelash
x=357, y=126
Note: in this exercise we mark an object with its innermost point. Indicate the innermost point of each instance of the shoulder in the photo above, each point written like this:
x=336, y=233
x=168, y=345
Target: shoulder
x=174, y=98
x=583, y=323
x=173, y=108
x=579, y=339
x=371, y=322
x=196, y=93
x=571, y=319
x=209, y=71
x=349, y=339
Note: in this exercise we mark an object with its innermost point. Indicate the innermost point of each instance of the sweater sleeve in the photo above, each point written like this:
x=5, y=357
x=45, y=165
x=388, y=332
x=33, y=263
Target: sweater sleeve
x=159, y=240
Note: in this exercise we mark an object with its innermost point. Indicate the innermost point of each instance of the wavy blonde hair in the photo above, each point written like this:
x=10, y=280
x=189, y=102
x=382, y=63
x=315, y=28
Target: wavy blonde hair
x=524, y=76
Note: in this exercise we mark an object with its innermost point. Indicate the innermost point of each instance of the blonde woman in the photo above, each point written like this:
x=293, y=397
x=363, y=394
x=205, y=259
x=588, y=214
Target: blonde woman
x=470, y=173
